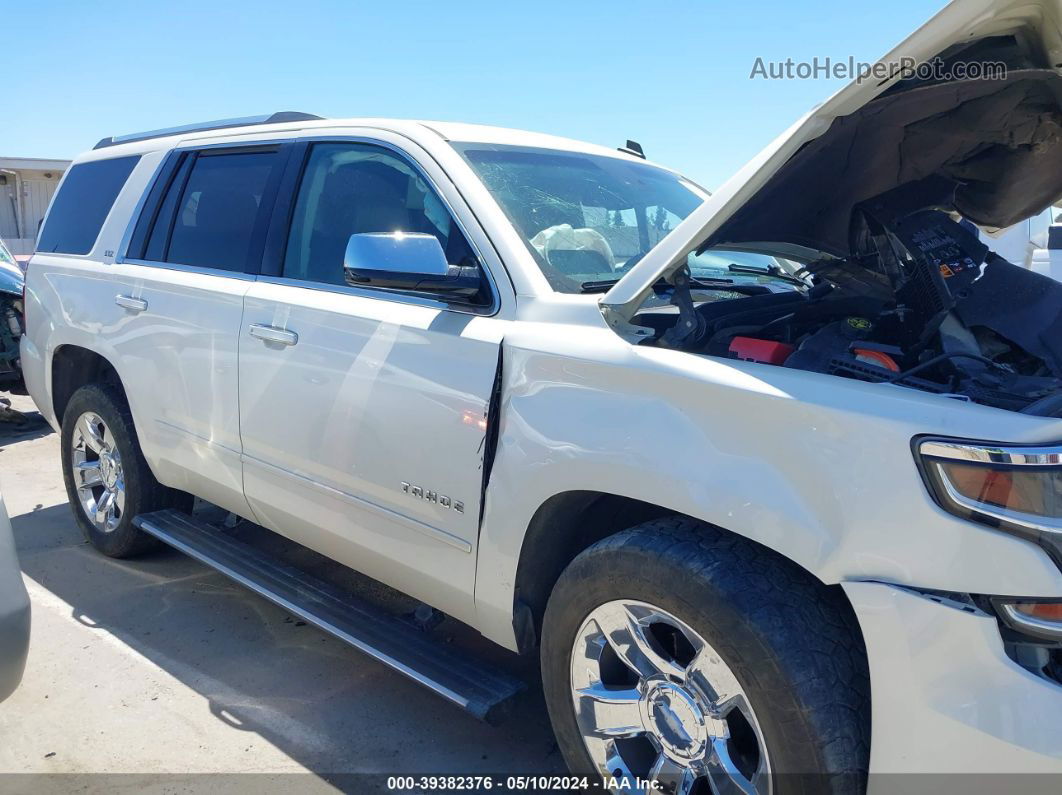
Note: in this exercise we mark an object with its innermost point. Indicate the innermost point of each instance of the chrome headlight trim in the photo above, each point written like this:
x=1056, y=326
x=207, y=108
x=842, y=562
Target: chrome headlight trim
x=1027, y=521
x=1030, y=625
x=989, y=453
x=931, y=452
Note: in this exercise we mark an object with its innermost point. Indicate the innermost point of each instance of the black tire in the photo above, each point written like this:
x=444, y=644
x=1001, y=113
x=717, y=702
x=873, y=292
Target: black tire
x=793, y=644
x=142, y=492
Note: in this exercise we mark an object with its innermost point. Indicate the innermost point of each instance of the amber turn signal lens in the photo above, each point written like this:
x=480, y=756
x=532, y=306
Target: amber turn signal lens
x=1029, y=490
x=1038, y=619
x=1044, y=611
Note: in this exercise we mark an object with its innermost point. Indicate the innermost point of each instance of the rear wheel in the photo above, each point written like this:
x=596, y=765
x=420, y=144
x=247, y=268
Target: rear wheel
x=108, y=482
x=677, y=652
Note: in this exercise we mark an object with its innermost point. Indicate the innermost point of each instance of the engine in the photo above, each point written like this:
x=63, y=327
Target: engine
x=921, y=303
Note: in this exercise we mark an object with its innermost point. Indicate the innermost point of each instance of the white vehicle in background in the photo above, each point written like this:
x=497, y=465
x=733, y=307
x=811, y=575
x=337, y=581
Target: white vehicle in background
x=771, y=480
x=1019, y=243
x=1046, y=257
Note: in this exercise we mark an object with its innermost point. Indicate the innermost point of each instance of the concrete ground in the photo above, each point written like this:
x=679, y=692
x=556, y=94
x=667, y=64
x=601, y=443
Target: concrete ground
x=159, y=670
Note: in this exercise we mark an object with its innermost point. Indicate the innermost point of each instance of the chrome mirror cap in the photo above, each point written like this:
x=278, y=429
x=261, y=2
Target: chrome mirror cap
x=411, y=253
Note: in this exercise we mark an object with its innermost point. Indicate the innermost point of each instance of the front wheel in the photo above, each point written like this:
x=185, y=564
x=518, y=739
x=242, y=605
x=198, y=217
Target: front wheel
x=679, y=653
x=108, y=482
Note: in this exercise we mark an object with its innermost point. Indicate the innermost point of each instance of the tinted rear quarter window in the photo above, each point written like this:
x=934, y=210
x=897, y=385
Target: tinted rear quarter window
x=82, y=204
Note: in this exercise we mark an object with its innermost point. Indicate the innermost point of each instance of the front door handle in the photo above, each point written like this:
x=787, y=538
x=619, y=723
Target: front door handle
x=273, y=334
x=130, y=303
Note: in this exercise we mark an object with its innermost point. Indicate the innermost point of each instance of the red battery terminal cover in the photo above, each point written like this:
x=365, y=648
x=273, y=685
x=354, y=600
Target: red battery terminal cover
x=751, y=349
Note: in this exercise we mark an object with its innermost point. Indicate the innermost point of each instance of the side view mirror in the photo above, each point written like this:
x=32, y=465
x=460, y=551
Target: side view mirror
x=406, y=261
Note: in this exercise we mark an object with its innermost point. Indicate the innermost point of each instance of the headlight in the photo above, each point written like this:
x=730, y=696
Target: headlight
x=1014, y=488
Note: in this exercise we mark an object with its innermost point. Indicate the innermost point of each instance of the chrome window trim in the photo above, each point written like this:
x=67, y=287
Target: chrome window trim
x=988, y=453
x=175, y=266
x=385, y=293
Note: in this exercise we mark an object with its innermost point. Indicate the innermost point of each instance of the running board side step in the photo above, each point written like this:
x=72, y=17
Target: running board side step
x=485, y=692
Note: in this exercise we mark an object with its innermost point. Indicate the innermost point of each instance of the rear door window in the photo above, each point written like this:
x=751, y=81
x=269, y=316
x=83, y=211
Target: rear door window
x=214, y=210
x=82, y=204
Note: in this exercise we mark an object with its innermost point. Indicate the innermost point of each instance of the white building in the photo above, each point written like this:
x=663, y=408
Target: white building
x=26, y=187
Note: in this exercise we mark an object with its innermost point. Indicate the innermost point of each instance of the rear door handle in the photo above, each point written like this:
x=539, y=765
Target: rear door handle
x=273, y=334
x=130, y=303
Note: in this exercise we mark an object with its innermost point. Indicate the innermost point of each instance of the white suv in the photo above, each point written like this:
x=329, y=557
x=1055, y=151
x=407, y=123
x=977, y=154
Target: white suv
x=772, y=478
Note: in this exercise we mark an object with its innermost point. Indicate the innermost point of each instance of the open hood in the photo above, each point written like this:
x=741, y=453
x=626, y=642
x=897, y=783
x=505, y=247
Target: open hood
x=989, y=149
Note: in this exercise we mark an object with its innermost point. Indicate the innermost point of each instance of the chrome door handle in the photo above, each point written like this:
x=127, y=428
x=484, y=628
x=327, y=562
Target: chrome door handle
x=130, y=303
x=273, y=334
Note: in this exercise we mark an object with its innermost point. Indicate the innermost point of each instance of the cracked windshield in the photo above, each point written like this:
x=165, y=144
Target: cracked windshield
x=587, y=219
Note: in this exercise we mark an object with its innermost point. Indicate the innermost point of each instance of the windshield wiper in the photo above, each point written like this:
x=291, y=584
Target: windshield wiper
x=773, y=271
x=597, y=287
x=696, y=284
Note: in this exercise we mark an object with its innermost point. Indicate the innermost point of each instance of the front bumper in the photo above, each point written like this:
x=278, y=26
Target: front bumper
x=945, y=696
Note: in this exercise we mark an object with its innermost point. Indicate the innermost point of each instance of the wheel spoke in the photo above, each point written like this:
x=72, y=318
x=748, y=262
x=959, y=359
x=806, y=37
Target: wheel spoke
x=90, y=434
x=119, y=496
x=673, y=778
x=713, y=677
x=88, y=474
x=723, y=774
x=104, y=507
x=617, y=767
x=626, y=635
x=609, y=712
x=677, y=717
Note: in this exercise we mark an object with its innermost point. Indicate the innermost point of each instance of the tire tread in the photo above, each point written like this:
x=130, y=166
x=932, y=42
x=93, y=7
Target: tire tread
x=811, y=640
x=125, y=541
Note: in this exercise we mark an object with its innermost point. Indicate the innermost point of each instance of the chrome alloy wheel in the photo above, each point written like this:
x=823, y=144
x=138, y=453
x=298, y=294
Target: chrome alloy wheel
x=97, y=472
x=653, y=700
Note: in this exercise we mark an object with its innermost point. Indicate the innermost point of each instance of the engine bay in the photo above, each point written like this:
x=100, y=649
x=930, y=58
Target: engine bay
x=921, y=302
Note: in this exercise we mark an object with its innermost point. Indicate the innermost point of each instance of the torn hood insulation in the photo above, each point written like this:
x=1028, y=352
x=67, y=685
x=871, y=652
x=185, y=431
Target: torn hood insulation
x=990, y=150
x=996, y=144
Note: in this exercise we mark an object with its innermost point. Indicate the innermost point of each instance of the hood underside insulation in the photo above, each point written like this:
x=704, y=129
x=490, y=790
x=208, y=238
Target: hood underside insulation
x=997, y=143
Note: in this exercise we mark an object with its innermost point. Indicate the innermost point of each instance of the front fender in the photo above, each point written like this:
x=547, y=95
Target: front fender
x=815, y=467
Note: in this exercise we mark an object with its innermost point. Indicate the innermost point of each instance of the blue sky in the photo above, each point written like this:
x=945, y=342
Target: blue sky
x=672, y=75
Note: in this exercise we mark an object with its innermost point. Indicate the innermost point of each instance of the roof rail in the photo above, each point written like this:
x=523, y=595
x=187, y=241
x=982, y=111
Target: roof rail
x=247, y=121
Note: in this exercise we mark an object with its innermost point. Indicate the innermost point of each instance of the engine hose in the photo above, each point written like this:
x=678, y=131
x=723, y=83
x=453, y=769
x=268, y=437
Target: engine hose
x=943, y=357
